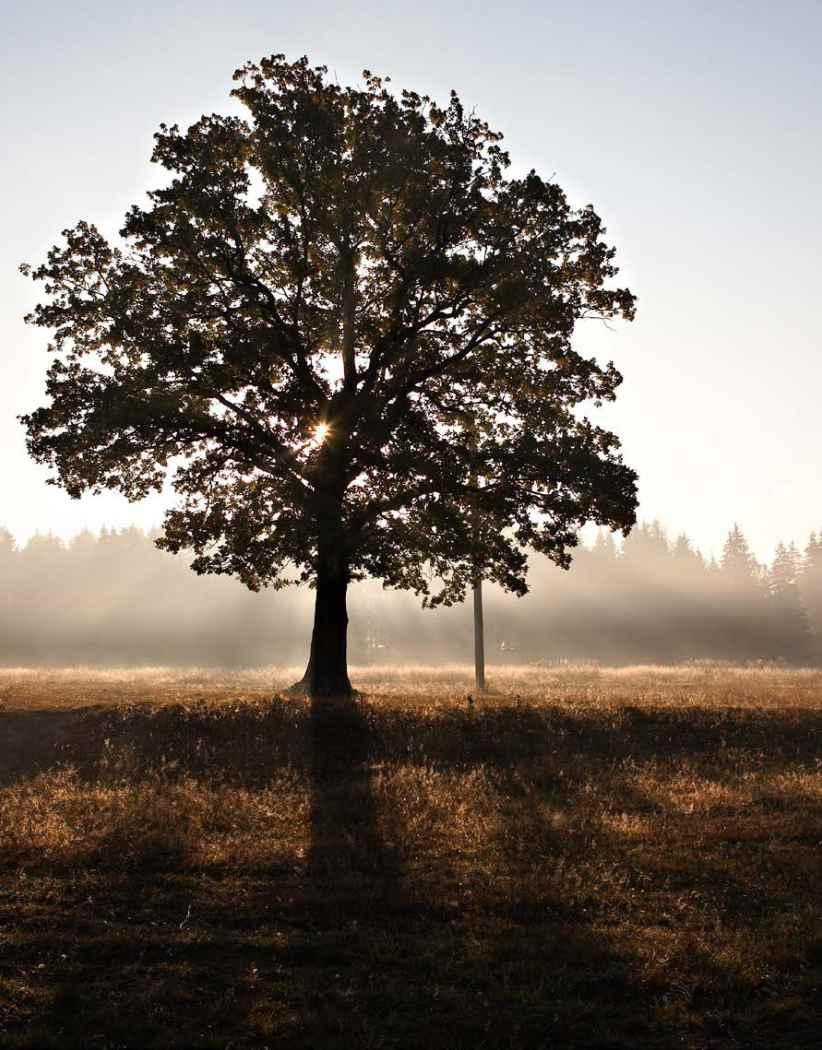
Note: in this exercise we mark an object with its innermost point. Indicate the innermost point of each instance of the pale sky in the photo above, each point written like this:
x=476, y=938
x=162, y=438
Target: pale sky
x=693, y=128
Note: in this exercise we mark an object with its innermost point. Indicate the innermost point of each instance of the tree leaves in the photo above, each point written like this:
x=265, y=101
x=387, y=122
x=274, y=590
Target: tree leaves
x=355, y=257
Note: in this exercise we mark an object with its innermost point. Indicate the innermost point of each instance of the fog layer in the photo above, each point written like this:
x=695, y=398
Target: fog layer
x=114, y=599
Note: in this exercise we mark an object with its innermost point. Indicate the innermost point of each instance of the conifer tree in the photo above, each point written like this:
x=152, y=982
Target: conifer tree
x=646, y=547
x=604, y=550
x=810, y=586
x=738, y=564
x=7, y=544
x=686, y=559
x=789, y=624
x=740, y=594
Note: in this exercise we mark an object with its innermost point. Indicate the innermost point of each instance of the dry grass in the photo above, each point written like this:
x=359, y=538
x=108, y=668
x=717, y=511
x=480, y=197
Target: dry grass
x=585, y=858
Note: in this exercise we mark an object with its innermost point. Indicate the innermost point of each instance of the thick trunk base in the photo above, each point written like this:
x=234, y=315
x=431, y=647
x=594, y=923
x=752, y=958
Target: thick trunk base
x=326, y=676
x=318, y=687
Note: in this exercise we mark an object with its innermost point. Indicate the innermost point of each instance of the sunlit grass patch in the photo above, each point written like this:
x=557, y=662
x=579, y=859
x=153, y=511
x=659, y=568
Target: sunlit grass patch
x=57, y=818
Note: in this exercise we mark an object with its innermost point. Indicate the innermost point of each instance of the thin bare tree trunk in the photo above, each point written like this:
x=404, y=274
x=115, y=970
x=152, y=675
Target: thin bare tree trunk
x=479, y=638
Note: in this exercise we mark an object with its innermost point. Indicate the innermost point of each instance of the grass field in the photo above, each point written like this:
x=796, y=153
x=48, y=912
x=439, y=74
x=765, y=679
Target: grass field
x=585, y=858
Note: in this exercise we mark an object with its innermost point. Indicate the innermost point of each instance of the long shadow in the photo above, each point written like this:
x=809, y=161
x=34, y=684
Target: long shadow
x=349, y=948
x=349, y=857
x=353, y=891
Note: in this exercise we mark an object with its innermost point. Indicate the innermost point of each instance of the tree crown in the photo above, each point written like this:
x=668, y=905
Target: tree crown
x=340, y=325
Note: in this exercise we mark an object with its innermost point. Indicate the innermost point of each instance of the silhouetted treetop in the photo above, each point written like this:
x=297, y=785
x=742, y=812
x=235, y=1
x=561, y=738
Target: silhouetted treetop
x=7, y=544
x=810, y=581
x=738, y=564
x=347, y=333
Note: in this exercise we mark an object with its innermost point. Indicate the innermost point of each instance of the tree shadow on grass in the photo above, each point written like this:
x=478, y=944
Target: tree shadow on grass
x=241, y=743
x=368, y=939
x=348, y=860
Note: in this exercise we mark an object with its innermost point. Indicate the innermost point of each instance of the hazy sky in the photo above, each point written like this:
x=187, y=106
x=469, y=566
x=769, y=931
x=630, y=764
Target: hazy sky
x=693, y=128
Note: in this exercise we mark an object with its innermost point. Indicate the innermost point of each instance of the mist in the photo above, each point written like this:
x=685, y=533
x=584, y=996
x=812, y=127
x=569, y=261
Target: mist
x=113, y=599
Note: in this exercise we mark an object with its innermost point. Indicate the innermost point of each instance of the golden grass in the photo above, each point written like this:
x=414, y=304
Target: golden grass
x=587, y=857
x=708, y=683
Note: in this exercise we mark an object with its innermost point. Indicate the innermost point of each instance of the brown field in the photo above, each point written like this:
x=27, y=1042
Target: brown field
x=585, y=858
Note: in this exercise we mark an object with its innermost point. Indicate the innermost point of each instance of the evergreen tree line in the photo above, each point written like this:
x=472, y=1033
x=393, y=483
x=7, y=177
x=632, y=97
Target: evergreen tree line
x=113, y=598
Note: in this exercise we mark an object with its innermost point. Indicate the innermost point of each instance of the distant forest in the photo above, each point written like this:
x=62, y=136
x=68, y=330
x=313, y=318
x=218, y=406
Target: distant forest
x=115, y=599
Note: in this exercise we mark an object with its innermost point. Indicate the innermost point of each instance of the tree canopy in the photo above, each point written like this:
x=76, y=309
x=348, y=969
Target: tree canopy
x=346, y=333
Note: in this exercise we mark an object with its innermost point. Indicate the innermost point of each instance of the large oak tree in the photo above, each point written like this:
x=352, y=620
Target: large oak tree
x=346, y=334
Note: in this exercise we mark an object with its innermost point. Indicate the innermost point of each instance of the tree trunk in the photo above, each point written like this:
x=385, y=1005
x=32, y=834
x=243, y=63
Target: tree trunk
x=479, y=638
x=327, y=671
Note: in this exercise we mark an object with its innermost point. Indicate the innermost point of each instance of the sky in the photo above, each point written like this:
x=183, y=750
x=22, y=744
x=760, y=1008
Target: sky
x=693, y=129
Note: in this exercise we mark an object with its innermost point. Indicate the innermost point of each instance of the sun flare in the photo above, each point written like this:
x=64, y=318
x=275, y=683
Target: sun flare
x=321, y=433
